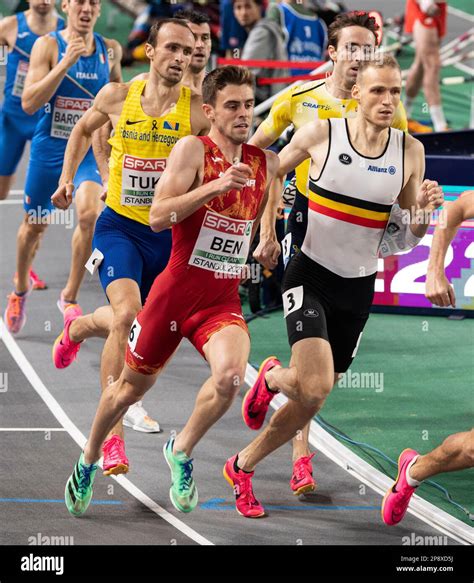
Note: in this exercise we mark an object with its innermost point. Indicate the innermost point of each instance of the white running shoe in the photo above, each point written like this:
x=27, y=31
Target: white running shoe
x=137, y=418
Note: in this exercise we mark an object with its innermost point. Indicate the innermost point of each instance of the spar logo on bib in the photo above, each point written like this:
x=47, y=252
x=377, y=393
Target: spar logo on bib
x=66, y=113
x=139, y=179
x=222, y=245
x=20, y=77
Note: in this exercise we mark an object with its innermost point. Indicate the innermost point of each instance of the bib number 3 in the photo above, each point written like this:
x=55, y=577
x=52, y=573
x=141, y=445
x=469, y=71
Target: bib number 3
x=292, y=300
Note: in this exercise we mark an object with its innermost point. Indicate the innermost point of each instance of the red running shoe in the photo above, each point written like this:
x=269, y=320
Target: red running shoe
x=302, y=480
x=115, y=460
x=396, y=500
x=258, y=398
x=245, y=502
x=36, y=282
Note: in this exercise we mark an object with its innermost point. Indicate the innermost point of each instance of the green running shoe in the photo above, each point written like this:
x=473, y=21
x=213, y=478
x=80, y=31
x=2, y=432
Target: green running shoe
x=183, y=491
x=78, y=492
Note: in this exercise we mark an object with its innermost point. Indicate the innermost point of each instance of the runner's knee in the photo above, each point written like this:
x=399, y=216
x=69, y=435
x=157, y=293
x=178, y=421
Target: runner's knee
x=124, y=316
x=87, y=219
x=314, y=389
x=228, y=381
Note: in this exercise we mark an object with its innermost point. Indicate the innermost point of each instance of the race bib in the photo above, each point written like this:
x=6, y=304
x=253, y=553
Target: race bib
x=20, y=77
x=139, y=178
x=222, y=245
x=66, y=113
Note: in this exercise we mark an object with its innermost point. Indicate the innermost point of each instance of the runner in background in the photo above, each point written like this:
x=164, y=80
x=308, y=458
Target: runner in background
x=18, y=34
x=426, y=21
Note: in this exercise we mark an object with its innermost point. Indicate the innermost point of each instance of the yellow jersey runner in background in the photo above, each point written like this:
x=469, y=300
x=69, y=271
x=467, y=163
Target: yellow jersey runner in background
x=302, y=104
x=140, y=147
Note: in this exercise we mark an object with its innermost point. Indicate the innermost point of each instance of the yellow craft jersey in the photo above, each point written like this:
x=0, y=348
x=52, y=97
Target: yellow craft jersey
x=302, y=104
x=140, y=147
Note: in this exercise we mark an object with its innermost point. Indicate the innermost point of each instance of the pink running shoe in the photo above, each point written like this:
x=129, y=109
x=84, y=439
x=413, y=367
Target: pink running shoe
x=36, y=282
x=302, y=480
x=115, y=460
x=63, y=304
x=64, y=349
x=397, y=498
x=15, y=313
x=245, y=502
x=258, y=398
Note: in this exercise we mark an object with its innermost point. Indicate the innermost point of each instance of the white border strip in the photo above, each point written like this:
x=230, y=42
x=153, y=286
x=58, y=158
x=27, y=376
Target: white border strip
x=12, y=201
x=43, y=429
x=460, y=13
x=80, y=439
x=357, y=467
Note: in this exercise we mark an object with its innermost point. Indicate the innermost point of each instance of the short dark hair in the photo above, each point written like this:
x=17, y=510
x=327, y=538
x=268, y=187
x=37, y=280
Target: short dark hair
x=217, y=79
x=355, y=18
x=193, y=16
x=155, y=29
x=379, y=62
x=257, y=2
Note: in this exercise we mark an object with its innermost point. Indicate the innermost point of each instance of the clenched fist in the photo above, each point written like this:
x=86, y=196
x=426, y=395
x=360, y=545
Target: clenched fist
x=430, y=196
x=62, y=198
x=234, y=177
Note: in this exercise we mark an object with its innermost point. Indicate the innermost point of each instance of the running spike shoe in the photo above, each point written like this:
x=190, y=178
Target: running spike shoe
x=302, y=480
x=183, y=491
x=62, y=304
x=15, y=312
x=64, y=349
x=397, y=498
x=245, y=502
x=115, y=460
x=137, y=418
x=78, y=492
x=258, y=397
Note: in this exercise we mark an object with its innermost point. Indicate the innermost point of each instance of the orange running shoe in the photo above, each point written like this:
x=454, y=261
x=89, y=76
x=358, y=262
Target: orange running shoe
x=415, y=127
x=15, y=313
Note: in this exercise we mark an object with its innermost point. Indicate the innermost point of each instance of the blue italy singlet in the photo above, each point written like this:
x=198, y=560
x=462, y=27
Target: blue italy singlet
x=306, y=37
x=69, y=103
x=17, y=67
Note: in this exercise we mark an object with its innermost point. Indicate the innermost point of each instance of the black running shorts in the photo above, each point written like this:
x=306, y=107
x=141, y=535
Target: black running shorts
x=320, y=304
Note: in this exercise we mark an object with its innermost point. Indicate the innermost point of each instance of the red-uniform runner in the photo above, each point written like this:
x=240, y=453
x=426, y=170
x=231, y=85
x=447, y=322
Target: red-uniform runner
x=212, y=194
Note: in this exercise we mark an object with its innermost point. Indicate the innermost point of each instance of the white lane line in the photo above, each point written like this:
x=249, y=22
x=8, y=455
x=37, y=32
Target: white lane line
x=357, y=467
x=11, y=201
x=460, y=13
x=80, y=439
x=17, y=192
x=32, y=429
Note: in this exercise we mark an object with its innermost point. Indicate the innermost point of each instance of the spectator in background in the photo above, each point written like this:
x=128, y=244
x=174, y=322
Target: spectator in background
x=306, y=34
x=233, y=35
x=266, y=40
x=426, y=20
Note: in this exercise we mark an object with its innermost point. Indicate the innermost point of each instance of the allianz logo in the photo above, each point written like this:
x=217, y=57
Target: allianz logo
x=386, y=170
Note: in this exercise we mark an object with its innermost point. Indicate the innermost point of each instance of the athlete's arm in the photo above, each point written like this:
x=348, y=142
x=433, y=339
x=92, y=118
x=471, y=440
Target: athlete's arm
x=438, y=289
x=272, y=167
x=200, y=125
x=107, y=102
x=102, y=150
x=8, y=31
x=419, y=197
x=114, y=51
x=44, y=77
x=179, y=192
